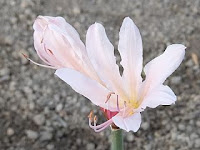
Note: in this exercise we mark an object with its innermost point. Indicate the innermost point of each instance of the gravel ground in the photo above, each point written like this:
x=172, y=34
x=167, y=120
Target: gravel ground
x=40, y=112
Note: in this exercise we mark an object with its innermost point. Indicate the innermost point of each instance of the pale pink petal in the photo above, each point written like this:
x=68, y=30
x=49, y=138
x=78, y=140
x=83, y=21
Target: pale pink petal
x=130, y=49
x=42, y=51
x=58, y=44
x=63, y=27
x=161, y=95
x=131, y=123
x=164, y=65
x=87, y=87
x=101, y=54
x=54, y=39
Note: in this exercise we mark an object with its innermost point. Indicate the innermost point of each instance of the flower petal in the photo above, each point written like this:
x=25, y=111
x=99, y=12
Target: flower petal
x=58, y=44
x=164, y=65
x=161, y=95
x=91, y=89
x=131, y=123
x=101, y=54
x=130, y=49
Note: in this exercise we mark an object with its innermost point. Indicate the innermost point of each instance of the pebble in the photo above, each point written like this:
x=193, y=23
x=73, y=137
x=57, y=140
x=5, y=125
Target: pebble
x=10, y=131
x=39, y=119
x=197, y=143
x=31, y=134
x=198, y=123
x=59, y=107
x=175, y=79
x=76, y=10
x=45, y=136
x=147, y=147
x=90, y=146
x=145, y=125
x=50, y=146
x=193, y=136
x=130, y=137
x=7, y=40
x=4, y=72
x=181, y=127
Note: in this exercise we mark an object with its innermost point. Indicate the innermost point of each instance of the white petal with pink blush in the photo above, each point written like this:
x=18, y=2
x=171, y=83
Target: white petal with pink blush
x=92, y=71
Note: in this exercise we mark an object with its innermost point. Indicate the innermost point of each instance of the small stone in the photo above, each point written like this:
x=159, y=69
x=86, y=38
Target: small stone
x=147, y=147
x=171, y=148
x=130, y=137
x=145, y=126
x=197, y=143
x=32, y=134
x=175, y=80
x=50, y=146
x=7, y=40
x=45, y=136
x=90, y=146
x=198, y=123
x=78, y=141
x=10, y=131
x=189, y=63
x=31, y=106
x=181, y=127
x=76, y=10
x=4, y=72
x=59, y=107
x=193, y=136
x=39, y=119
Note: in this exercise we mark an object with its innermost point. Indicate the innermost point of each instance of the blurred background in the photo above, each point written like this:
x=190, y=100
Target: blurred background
x=40, y=112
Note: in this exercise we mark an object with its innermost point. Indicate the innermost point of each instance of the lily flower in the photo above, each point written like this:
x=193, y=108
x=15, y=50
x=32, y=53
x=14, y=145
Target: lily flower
x=92, y=71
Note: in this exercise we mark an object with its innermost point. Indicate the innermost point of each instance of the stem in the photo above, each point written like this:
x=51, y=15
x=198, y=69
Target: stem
x=117, y=139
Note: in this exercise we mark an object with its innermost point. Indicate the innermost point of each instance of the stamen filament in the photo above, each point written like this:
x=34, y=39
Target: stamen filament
x=108, y=96
x=124, y=108
x=41, y=65
x=118, y=104
x=98, y=128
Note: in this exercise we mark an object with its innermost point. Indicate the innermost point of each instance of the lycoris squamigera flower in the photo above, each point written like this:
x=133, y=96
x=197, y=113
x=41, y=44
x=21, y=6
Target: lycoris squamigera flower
x=92, y=71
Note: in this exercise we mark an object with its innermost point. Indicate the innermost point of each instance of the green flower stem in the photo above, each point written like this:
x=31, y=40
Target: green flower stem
x=117, y=139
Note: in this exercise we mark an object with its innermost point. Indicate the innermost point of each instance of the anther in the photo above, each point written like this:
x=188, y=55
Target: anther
x=95, y=119
x=90, y=116
x=25, y=55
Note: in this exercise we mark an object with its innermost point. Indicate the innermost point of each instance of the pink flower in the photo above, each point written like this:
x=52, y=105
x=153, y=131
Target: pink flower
x=93, y=72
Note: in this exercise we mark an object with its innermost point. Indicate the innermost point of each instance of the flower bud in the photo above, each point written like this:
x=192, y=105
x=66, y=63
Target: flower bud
x=58, y=44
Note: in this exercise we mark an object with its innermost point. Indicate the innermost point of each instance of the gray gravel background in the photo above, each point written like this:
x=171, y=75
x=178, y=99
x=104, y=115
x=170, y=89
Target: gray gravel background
x=40, y=112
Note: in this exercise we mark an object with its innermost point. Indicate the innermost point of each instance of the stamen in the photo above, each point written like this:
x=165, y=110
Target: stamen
x=41, y=65
x=108, y=96
x=98, y=128
x=118, y=103
x=104, y=127
x=124, y=108
x=95, y=119
x=90, y=116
